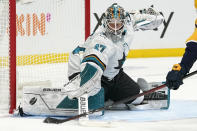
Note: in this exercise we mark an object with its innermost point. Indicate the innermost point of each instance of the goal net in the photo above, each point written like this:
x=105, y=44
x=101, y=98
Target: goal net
x=45, y=33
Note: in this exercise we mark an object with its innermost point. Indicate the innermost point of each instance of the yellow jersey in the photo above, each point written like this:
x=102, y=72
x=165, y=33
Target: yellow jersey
x=193, y=37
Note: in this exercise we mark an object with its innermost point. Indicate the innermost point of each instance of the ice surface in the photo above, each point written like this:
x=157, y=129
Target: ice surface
x=179, y=109
x=181, y=116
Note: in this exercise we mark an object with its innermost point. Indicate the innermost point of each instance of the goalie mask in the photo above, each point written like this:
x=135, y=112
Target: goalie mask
x=114, y=19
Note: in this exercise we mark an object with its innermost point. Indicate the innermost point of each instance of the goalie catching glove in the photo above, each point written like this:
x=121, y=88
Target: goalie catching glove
x=88, y=81
x=146, y=19
x=175, y=77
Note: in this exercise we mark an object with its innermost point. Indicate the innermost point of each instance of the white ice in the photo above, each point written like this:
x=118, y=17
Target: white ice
x=181, y=116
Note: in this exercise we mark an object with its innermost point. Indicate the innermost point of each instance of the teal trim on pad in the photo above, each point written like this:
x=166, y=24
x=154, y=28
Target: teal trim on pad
x=168, y=103
x=94, y=102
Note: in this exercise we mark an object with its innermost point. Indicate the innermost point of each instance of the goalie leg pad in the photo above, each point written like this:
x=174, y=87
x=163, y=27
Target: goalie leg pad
x=159, y=99
x=49, y=101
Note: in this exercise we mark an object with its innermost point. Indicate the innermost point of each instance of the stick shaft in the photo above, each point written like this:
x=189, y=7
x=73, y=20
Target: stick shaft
x=116, y=103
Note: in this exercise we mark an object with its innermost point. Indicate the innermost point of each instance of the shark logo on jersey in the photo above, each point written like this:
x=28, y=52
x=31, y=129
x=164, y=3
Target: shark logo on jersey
x=121, y=62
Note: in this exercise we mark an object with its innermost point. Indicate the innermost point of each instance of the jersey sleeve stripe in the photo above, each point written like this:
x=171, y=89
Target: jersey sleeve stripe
x=93, y=58
x=78, y=49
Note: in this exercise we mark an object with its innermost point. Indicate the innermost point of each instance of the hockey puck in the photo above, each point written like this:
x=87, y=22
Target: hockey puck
x=33, y=101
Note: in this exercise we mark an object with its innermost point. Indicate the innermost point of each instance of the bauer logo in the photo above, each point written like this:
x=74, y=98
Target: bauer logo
x=83, y=104
x=33, y=101
x=32, y=24
x=52, y=89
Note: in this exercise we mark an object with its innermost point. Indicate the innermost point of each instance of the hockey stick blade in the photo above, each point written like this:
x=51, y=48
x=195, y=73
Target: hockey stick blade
x=58, y=121
x=53, y=120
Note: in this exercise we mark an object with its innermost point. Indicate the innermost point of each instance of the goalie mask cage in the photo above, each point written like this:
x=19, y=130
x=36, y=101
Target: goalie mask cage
x=35, y=39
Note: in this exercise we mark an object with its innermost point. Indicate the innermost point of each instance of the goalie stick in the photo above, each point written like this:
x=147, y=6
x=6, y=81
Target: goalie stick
x=58, y=121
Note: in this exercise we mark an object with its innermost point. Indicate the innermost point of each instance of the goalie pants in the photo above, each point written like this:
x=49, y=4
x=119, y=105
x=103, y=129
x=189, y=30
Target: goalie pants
x=120, y=87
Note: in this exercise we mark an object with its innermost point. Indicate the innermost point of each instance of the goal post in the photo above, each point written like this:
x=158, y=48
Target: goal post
x=12, y=58
x=8, y=55
x=35, y=39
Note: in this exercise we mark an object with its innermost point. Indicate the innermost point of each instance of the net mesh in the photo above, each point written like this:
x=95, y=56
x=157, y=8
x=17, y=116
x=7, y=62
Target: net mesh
x=43, y=33
x=4, y=54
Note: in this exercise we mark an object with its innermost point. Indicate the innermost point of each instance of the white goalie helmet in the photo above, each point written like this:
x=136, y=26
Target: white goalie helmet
x=115, y=19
